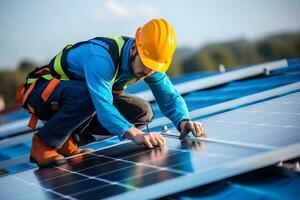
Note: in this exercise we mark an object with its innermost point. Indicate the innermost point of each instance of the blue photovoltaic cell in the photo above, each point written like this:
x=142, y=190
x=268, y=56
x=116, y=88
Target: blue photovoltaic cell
x=127, y=169
x=123, y=168
x=274, y=123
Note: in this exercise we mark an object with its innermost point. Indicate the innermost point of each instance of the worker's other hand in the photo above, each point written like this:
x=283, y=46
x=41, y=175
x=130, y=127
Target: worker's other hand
x=196, y=128
x=150, y=140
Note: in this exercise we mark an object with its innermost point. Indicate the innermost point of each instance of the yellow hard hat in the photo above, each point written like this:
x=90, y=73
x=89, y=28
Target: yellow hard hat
x=156, y=43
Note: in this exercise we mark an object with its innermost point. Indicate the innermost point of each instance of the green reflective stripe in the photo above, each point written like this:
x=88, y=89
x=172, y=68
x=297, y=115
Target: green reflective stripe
x=31, y=80
x=57, y=65
x=115, y=76
x=120, y=42
x=131, y=81
x=68, y=46
x=46, y=76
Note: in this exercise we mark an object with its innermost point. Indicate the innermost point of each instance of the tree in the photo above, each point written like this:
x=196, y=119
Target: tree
x=26, y=66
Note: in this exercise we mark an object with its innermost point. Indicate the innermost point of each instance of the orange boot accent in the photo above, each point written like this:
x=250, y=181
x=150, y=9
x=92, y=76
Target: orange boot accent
x=43, y=154
x=70, y=148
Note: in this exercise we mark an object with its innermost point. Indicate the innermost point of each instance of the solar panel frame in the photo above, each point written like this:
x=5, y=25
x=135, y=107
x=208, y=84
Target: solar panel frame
x=170, y=169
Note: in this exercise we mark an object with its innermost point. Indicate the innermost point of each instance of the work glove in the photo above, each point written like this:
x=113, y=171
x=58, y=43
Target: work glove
x=187, y=126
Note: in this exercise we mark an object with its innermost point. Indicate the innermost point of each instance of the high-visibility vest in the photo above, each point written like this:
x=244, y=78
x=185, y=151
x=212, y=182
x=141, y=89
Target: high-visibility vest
x=57, y=71
x=59, y=68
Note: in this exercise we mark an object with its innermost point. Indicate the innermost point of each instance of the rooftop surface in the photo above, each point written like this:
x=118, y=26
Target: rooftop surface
x=257, y=184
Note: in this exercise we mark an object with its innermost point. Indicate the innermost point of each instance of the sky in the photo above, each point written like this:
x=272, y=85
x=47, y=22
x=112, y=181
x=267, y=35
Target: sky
x=37, y=30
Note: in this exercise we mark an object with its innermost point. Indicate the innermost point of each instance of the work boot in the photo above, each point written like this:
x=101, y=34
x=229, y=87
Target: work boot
x=70, y=148
x=43, y=154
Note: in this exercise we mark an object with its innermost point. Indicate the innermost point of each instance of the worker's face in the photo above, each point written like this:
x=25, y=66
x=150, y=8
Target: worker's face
x=139, y=69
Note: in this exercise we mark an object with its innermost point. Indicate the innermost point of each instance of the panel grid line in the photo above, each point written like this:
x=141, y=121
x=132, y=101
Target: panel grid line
x=252, y=123
x=148, y=165
x=99, y=179
x=254, y=105
x=42, y=188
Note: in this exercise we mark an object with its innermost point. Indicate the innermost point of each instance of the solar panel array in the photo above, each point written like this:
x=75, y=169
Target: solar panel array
x=272, y=125
x=239, y=141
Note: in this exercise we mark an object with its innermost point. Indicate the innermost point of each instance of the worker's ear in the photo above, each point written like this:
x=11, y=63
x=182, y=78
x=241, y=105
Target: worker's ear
x=133, y=49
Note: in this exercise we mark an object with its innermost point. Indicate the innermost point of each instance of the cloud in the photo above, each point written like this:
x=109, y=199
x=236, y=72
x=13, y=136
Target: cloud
x=147, y=10
x=115, y=10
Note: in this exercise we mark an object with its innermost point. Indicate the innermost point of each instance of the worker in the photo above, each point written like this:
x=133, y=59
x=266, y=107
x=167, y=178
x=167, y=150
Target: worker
x=81, y=90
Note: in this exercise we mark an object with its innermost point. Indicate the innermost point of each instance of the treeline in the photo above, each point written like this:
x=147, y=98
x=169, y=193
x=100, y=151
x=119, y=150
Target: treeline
x=186, y=60
x=10, y=81
x=236, y=53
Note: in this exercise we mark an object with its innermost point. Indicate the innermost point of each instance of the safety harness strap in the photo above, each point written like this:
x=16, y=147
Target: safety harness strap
x=31, y=82
x=33, y=119
x=49, y=89
x=28, y=91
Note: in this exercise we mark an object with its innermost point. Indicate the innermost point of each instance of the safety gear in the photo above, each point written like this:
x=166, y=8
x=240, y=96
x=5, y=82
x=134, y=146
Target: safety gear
x=156, y=43
x=57, y=70
x=24, y=91
x=43, y=154
x=58, y=64
x=70, y=148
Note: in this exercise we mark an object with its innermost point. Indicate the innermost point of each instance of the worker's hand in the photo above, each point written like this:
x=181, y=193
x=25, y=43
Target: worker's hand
x=150, y=140
x=196, y=128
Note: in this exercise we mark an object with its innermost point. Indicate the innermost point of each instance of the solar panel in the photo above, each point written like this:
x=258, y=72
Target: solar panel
x=126, y=170
x=122, y=168
x=273, y=124
x=272, y=93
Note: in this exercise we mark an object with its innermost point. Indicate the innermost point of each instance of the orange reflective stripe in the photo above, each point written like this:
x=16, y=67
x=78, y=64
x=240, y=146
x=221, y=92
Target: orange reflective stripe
x=43, y=71
x=28, y=91
x=33, y=121
x=49, y=89
x=30, y=108
x=118, y=92
x=20, y=94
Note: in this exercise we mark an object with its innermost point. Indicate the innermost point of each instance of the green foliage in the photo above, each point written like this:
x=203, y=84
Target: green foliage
x=283, y=46
x=208, y=59
x=11, y=79
x=180, y=54
x=240, y=52
x=26, y=66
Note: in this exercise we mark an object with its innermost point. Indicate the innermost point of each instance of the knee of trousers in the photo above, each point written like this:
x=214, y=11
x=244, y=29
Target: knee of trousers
x=135, y=109
x=146, y=113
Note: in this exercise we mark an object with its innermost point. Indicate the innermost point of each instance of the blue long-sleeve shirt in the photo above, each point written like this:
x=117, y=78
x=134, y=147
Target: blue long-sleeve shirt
x=92, y=62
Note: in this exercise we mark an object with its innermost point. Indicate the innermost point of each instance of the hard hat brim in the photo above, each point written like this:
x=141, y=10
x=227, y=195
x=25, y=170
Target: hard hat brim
x=156, y=66
x=149, y=63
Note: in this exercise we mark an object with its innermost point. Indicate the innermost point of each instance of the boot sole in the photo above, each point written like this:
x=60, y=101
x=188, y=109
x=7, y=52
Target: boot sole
x=57, y=162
